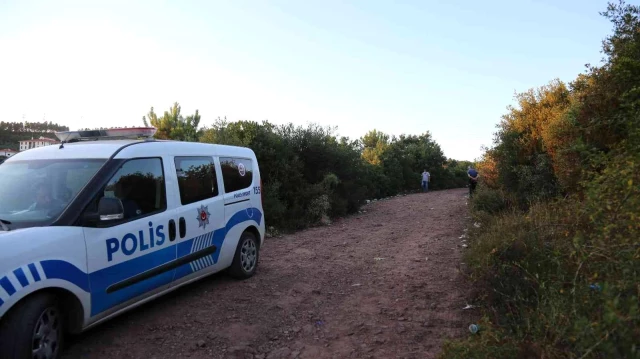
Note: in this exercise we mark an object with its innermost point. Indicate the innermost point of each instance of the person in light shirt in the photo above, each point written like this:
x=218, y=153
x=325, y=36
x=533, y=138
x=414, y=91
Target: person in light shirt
x=426, y=178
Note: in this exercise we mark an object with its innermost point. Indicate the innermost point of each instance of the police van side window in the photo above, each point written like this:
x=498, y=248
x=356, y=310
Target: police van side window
x=139, y=184
x=237, y=173
x=197, y=179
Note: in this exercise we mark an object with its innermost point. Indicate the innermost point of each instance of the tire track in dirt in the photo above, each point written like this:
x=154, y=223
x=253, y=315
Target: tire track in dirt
x=381, y=284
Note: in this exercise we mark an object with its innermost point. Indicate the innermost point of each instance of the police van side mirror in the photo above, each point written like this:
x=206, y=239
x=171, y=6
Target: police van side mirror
x=110, y=209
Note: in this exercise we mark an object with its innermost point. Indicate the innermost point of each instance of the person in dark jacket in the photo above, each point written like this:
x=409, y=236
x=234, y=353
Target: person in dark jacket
x=473, y=180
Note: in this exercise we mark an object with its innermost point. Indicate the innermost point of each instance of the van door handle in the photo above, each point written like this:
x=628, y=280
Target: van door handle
x=183, y=227
x=172, y=230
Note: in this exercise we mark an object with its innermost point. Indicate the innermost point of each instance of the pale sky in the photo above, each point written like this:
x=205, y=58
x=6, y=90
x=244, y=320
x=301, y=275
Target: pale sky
x=450, y=68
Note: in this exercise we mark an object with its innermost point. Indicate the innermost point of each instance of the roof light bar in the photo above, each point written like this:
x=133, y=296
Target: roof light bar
x=112, y=133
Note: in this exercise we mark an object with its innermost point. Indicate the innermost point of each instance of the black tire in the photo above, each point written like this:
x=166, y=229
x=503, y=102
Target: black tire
x=18, y=329
x=39, y=313
x=248, y=248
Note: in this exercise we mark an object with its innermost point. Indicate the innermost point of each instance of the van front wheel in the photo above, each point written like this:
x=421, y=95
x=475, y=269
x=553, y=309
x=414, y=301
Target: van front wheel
x=245, y=260
x=33, y=329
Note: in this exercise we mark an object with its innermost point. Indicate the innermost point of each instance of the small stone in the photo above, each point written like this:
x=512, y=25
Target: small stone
x=201, y=343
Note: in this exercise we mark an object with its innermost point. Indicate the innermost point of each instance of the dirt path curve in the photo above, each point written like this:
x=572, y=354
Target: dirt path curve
x=381, y=284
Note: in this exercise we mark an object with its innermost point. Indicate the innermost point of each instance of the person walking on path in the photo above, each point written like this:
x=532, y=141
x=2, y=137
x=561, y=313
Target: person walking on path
x=473, y=180
x=426, y=178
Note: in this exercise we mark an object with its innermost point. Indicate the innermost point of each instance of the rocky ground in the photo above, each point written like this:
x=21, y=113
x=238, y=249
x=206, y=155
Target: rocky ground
x=381, y=284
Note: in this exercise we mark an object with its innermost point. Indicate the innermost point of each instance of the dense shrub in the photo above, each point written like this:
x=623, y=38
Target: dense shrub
x=558, y=263
x=562, y=279
x=310, y=175
x=488, y=200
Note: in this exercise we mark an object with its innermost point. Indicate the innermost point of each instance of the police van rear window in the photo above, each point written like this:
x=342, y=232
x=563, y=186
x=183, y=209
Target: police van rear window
x=197, y=179
x=237, y=173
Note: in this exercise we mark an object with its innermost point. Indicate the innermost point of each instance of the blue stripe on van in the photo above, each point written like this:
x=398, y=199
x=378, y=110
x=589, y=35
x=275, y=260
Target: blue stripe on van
x=103, y=278
x=97, y=282
x=34, y=272
x=6, y=284
x=219, y=235
x=21, y=277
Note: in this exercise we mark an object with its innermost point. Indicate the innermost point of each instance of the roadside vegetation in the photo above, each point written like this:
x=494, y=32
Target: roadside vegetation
x=556, y=259
x=310, y=175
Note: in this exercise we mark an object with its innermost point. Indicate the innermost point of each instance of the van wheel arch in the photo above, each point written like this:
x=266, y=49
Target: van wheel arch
x=71, y=307
x=253, y=230
x=250, y=240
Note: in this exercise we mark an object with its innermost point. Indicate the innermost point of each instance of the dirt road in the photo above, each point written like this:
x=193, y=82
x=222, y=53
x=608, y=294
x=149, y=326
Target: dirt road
x=381, y=284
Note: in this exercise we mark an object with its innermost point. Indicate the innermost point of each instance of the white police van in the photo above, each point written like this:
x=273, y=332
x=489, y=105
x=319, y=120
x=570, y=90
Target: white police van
x=95, y=227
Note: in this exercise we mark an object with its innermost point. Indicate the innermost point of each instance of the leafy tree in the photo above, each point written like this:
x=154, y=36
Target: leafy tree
x=172, y=125
x=374, y=144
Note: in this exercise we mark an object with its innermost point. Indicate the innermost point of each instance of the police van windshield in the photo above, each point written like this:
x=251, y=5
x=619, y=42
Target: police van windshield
x=34, y=193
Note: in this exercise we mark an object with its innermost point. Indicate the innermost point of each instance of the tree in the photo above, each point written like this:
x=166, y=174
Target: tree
x=172, y=125
x=374, y=144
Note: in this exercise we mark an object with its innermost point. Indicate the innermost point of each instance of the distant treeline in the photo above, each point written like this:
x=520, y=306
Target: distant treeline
x=11, y=133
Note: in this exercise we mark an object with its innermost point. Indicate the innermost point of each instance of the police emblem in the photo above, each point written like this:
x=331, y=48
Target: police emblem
x=241, y=169
x=203, y=216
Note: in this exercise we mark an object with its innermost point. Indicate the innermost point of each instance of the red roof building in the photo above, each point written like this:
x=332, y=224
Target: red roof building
x=7, y=152
x=38, y=142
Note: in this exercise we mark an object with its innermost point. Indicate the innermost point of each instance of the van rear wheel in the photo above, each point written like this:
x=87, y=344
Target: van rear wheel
x=33, y=329
x=245, y=260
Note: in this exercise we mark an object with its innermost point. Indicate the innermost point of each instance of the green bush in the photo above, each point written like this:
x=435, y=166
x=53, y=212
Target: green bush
x=562, y=278
x=310, y=175
x=487, y=200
